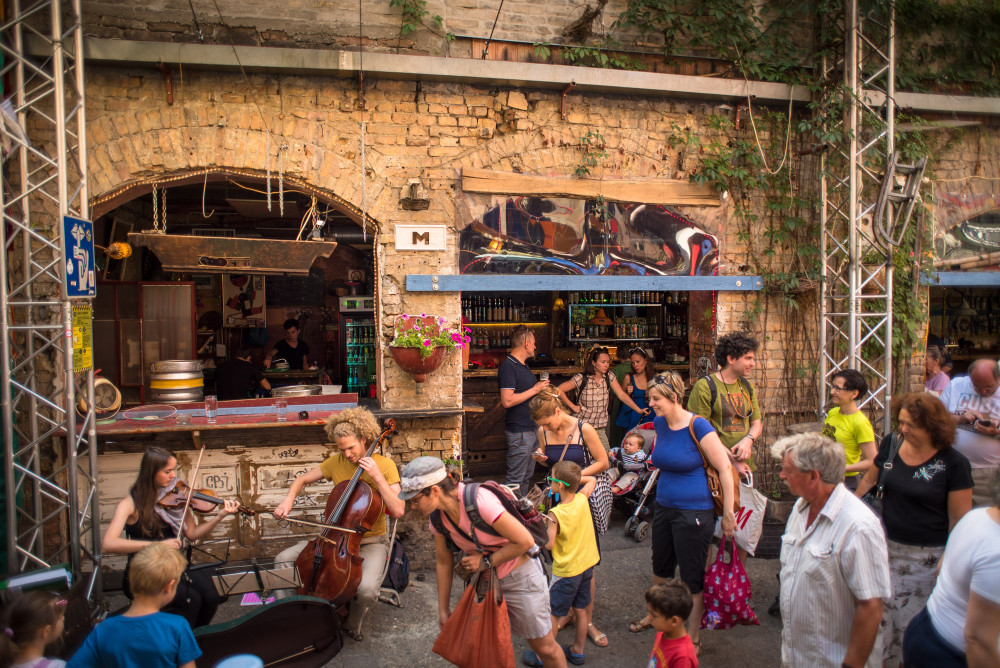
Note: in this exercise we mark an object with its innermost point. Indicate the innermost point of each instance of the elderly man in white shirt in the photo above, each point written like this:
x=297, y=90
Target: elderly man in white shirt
x=834, y=563
x=975, y=402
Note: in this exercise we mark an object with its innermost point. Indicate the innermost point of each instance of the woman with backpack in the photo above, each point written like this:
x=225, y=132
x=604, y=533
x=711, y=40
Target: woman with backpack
x=499, y=540
x=593, y=393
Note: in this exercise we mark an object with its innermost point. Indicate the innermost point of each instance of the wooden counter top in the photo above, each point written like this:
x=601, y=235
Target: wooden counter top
x=241, y=414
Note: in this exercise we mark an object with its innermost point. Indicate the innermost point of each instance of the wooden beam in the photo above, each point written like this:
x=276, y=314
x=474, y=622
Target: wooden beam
x=660, y=191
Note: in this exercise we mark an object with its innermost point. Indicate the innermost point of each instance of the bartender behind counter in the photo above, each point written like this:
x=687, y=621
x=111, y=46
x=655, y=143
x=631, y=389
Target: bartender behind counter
x=290, y=349
x=237, y=377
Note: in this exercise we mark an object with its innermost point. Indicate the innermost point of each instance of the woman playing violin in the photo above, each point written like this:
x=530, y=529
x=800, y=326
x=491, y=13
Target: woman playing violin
x=352, y=431
x=145, y=521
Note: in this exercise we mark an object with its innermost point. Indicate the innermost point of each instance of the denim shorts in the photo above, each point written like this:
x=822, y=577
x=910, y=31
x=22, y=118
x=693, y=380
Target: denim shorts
x=572, y=592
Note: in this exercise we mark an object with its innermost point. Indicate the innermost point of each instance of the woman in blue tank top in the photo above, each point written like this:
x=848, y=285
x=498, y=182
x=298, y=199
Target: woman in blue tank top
x=635, y=384
x=683, y=514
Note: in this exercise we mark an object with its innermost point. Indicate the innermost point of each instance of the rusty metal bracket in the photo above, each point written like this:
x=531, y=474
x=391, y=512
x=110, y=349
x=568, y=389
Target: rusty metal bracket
x=361, y=90
x=567, y=89
x=168, y=76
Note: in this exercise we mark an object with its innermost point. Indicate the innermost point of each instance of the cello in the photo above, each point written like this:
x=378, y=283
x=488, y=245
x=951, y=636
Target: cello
x=330, y=564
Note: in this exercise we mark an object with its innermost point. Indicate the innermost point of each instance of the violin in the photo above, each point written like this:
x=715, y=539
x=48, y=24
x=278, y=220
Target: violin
x=202, y=500
x=330, y=565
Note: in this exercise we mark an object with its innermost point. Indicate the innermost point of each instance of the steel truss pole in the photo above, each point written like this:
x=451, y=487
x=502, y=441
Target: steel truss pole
x=50, y=458
x=856, y=300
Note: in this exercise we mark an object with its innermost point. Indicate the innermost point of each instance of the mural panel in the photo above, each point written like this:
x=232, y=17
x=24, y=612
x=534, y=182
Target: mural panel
x=966, y=224
x=540, y=235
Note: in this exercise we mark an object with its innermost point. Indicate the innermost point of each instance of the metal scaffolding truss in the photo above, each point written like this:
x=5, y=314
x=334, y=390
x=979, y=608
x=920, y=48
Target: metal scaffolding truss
x=50, y=461
x=856, y=303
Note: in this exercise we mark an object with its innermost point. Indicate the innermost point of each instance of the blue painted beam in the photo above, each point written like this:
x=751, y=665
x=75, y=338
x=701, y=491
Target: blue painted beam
x=962, y=279
x=550, y=283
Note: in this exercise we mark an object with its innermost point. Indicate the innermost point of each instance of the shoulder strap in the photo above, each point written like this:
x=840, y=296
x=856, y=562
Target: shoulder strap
x=713, y=390
x=697, y=442
x=583, y=384
x=894, y=445
x=609, y=377
x=579, y=426
x=438, y=523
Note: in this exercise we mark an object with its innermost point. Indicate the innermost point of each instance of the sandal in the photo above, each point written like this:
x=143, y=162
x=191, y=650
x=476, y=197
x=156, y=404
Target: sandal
x=572, y=657
x=570, y=621
x=598, y=638
x=530, y=658
x=639, y=626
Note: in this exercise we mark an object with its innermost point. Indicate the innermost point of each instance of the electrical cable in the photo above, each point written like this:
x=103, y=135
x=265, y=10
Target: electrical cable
x=201, y=36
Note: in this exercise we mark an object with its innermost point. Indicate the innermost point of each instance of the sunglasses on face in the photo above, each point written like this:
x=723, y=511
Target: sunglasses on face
x=561, y=482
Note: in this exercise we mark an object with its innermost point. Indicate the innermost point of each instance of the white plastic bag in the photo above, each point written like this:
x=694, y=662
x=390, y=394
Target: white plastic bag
x=750, y=518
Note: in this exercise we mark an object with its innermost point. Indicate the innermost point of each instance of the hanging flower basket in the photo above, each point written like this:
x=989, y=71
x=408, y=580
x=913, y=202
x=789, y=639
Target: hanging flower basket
x=412, y=362
x=420, y=343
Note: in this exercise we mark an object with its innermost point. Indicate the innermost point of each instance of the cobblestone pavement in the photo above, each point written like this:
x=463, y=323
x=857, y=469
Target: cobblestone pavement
x=403, y=637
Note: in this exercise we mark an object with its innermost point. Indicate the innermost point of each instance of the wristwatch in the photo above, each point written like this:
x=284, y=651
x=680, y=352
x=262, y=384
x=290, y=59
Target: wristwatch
x=486, y=563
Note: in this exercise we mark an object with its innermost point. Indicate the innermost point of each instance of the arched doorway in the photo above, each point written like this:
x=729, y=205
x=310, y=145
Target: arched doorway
x=212, y=313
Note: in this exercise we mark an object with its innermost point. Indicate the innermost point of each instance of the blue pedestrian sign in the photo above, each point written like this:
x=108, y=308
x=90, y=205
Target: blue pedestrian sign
x=81, y=277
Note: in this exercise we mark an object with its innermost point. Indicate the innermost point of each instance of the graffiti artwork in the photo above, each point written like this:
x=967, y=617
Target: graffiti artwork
x=537, y=235
x=966, y=225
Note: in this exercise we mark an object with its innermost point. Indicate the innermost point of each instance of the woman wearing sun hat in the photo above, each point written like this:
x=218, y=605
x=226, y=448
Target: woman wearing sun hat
x=428, y=487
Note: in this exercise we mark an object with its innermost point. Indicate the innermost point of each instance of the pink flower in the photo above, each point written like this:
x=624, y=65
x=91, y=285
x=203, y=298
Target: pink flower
x=441, y=321
x=427, y=343
x=423, y=315
x=404, y=317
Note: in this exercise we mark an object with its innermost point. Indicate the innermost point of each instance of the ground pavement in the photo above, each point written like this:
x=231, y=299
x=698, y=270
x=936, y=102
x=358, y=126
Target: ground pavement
x=403, y=637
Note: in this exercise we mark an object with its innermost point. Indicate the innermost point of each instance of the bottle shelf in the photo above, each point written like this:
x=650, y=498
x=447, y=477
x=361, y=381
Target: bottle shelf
x=611, y=305
x=612, y=339
x=504, y=324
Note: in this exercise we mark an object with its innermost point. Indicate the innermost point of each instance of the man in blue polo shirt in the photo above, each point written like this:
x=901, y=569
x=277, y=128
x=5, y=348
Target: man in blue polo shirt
x=517, y=386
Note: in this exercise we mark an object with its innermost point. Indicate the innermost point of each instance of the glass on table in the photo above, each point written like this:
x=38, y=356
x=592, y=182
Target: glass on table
x=212, y=408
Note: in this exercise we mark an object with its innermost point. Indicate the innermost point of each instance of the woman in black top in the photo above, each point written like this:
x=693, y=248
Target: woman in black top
x=926, y=491
x=145, y=522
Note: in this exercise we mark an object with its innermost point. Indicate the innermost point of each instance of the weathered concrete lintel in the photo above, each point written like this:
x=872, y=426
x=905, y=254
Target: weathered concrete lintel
x=485, y=72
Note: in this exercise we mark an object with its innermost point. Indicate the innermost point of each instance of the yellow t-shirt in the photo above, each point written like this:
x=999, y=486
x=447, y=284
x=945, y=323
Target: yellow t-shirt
x=575, y=547
x=850, y=431
x=339, y=468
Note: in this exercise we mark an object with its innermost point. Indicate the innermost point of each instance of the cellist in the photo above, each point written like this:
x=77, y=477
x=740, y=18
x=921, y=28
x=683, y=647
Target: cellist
x=352, y=431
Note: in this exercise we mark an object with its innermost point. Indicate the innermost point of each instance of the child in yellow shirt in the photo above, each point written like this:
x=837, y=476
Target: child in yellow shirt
x=574, y=553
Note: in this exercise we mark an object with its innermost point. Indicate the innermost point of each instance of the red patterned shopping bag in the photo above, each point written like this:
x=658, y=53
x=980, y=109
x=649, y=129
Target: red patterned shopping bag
x=727, y=592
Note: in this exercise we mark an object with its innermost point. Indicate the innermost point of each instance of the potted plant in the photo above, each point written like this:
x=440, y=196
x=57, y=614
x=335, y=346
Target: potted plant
x=420, y=343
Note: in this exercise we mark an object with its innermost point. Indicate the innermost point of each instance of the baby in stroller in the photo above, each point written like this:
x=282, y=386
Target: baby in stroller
x=626, y=461
x=633, y=487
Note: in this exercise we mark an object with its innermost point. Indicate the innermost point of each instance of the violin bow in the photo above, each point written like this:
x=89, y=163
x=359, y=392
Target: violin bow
x=187, y=502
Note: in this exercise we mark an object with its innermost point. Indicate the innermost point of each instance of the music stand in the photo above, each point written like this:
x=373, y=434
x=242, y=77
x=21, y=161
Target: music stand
x=242, y=577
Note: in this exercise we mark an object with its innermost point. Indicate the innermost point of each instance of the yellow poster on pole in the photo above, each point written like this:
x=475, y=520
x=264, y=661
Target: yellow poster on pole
x=83, y=338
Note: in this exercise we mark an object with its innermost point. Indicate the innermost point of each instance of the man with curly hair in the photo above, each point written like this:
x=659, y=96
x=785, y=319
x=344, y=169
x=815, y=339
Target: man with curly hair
x=352, y=431
x=729, y=401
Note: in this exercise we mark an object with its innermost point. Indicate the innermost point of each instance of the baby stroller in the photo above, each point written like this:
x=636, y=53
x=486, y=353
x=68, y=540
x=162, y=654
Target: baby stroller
x=636, y=487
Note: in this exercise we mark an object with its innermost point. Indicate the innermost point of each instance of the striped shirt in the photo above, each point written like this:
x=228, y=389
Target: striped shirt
x=825, y=569
x=594, y=401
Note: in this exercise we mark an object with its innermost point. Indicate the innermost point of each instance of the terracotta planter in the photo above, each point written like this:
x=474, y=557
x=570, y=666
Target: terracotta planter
x=410, y=361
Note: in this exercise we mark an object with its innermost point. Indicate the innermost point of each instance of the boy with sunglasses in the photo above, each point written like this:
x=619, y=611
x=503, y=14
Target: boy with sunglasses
x=574, y=554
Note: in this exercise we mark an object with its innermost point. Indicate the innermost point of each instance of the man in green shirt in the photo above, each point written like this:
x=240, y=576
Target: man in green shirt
x=729, y=401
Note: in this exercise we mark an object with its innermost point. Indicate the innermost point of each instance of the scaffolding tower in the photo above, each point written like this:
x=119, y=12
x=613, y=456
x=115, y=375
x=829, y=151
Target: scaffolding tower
x=856, y=299
x=50, y=458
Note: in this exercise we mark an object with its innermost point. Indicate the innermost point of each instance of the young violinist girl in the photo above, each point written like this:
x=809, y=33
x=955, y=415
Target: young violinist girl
x=353, y=430
x=30, y=622
x=144, y=520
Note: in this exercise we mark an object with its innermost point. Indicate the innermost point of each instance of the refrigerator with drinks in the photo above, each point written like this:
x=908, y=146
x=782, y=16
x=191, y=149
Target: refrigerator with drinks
x=357, y=331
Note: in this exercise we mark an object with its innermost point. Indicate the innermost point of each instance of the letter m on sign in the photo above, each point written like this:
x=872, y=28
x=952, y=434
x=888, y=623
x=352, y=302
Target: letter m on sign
x=419, y=237
x=743, y=516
